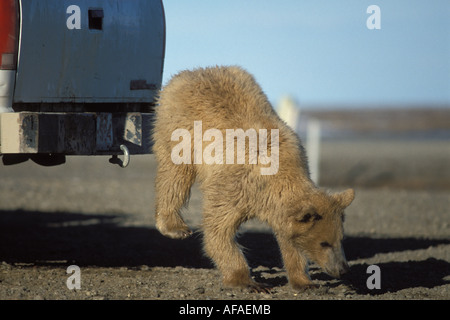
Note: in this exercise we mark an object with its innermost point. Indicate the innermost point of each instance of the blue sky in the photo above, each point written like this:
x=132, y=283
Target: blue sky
x=319, y=51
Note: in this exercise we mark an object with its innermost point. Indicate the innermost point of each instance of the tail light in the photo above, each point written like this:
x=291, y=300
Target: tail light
x=9, y=30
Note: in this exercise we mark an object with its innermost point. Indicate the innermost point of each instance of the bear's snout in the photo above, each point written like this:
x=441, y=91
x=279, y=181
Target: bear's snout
x=344, y=269
x=337, y=263
x=337, y=271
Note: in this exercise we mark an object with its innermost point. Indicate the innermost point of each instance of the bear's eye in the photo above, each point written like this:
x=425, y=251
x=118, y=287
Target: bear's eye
x=325, y=244
x=317, y=216
x=310, y=216
x=305, y=218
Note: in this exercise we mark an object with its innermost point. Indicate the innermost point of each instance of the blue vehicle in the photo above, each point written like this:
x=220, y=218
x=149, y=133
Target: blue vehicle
x=78, y=77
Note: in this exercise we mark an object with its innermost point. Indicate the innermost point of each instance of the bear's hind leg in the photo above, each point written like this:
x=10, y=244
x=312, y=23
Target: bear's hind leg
x=173, y=185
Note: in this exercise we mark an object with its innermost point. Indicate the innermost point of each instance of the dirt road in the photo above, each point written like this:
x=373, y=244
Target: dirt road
x=99, y=217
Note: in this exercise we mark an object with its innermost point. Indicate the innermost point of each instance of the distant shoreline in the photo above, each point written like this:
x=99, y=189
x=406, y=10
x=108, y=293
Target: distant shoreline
x=401, y=123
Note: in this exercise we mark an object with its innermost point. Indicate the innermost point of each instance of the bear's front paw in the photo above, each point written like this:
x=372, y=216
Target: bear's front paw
x=304, y=286
x=256, y=287
x=248, y=285
x=178, y=231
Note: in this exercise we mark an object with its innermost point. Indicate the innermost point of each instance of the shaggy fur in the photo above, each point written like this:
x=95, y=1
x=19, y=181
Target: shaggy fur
x=306, y=220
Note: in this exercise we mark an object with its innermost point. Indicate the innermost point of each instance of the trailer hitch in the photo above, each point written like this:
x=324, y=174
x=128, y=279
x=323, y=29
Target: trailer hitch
x=126, y=157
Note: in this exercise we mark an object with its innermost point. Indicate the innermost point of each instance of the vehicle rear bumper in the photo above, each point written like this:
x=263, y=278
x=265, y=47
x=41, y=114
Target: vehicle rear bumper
x=75, y=133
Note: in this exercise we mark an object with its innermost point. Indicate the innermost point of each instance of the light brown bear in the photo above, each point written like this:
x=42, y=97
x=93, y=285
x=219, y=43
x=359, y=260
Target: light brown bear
x=307, y=221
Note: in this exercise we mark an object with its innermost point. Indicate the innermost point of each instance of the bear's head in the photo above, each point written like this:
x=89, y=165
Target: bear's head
x=316, y=229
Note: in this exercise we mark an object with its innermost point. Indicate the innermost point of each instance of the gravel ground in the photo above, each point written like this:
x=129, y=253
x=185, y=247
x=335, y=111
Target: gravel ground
x=99, y=217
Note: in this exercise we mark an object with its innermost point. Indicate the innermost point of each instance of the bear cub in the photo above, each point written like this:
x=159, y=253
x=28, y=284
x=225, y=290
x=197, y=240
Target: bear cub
x=216, y=126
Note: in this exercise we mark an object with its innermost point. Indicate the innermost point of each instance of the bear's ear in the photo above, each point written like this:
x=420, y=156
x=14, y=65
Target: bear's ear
x=344, y=198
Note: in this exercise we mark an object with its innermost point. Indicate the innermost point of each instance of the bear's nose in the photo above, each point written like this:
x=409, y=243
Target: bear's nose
x=344, y=268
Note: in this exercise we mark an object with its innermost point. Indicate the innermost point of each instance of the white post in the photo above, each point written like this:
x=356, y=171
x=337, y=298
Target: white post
x=313, y=148
x=289, y=111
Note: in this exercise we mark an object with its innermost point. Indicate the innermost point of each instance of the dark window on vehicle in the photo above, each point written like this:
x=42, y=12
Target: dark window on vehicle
x=96, y=19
